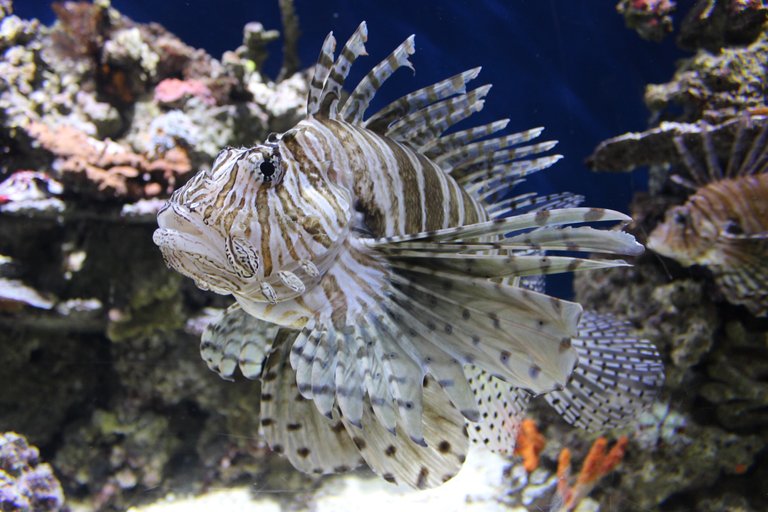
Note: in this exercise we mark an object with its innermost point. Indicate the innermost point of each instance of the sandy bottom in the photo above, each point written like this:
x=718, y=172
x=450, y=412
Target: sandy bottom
x=474, y=489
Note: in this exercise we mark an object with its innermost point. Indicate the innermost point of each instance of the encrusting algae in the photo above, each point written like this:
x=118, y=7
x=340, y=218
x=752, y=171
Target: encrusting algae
x=380, y=262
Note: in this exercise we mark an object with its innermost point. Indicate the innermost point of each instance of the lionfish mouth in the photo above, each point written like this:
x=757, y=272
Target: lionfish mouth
x=187, y=248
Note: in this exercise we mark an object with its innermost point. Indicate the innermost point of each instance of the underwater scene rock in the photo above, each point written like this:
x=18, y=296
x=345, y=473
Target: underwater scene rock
x=102, y=118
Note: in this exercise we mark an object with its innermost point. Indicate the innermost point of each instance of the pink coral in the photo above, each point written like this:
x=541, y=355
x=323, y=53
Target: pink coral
x=173, y=90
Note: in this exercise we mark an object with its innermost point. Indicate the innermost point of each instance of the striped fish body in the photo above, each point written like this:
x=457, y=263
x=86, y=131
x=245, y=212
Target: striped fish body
x=375, y=264
x=396, y=190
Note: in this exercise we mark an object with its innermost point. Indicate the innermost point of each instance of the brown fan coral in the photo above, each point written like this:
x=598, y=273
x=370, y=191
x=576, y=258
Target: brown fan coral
x=105, y=169
x=724, y=224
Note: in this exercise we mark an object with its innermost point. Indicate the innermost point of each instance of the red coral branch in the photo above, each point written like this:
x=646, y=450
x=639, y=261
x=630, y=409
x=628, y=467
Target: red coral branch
x=598, y=463
x=529, y=445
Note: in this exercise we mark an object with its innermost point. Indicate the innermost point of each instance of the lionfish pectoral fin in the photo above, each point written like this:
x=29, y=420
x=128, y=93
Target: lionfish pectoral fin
x=398, y=459
x=502, y=409
x=742, y=275
x=236, y=339
x=451, y=284
x=365, y=359
x=515, y=334
x=293, y=426
x=617, y=376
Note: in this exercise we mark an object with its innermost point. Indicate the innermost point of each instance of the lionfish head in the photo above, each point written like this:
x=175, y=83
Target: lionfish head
x=678, y=237
x=256, y=224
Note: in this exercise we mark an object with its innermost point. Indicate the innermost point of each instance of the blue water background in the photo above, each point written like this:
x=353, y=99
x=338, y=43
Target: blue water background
x=571, y=66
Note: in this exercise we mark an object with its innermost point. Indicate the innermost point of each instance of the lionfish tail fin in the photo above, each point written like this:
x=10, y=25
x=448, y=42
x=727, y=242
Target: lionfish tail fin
x=617, y=375
x=236, y=340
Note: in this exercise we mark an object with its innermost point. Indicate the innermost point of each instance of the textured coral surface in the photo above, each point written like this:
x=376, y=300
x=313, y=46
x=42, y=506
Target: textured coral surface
x=100, y=119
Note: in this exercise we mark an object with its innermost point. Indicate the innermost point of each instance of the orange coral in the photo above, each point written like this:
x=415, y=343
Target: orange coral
x=598, y=463
x=107, y=169
x=529, y=445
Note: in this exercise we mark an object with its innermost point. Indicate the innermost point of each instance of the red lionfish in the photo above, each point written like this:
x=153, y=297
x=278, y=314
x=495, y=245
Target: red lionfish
x=724, y=225
x=376, y=266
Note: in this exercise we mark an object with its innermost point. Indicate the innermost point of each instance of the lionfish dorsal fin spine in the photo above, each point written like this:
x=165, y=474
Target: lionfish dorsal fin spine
x=694, y=167
x=356, y=105
x=380, y=121
x=468, y=152
x=531, y=201
x=427, y=123
x=714, y=171
x=458, y=139
x=331, y=92
x=756, y=159
x=322, y=69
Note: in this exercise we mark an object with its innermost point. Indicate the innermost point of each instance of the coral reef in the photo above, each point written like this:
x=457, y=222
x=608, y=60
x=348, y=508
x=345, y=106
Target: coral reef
x=544, y=482
x=530, y=444
x=714, y=86
x=712, y=24
x=651, y=19
x=105, y=169
x=100, y=119
x=26, y=483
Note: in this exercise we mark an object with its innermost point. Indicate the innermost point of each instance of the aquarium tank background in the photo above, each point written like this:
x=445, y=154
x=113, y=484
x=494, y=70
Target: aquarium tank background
x=659, y=109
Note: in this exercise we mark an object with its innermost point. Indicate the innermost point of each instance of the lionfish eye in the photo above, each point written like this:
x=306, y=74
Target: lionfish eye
x=732, y=227
x=681, y=218
x=267, y=169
